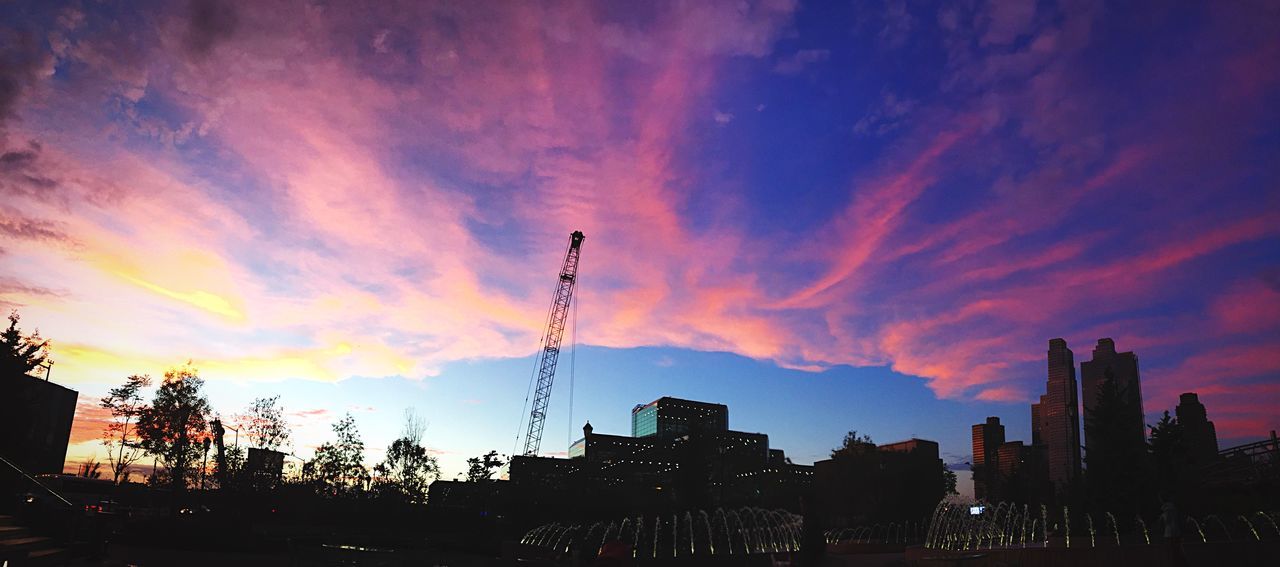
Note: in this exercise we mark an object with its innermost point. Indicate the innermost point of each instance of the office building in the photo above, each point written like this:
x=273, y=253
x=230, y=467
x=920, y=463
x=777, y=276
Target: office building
x=681, y=454
x=1060, y=417
x=1122, y=369
x=1035, y=422
x=987, y=439
x=1198, y=434
x=670, y=417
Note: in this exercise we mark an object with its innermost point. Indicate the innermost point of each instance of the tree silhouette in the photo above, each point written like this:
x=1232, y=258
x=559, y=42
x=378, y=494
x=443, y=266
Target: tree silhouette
x=234, y=457
x=408, y=468
x=854, y=445
x=92, y=468
x=171, y=427
x=1116, y=461
x=265, y=424
x=20, y=354
x=126, y=405
x=481, y=469
x=948, y=481
x=1168, y=451
x=338, y=468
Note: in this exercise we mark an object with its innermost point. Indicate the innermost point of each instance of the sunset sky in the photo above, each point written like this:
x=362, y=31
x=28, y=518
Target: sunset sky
x=827, y=215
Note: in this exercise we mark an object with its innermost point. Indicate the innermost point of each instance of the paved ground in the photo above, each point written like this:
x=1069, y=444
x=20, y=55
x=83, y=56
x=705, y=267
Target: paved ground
x=134, y=556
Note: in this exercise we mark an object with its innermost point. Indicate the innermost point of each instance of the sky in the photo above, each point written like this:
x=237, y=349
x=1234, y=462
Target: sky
x=830, y=216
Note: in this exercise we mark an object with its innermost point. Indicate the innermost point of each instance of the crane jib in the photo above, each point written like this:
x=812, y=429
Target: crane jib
x=551, y=351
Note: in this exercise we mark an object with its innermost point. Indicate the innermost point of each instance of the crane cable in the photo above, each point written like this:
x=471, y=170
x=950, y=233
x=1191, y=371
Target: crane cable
x=573, y=362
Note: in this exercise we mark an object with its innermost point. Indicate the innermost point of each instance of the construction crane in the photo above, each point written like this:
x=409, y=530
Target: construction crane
x=551, y=344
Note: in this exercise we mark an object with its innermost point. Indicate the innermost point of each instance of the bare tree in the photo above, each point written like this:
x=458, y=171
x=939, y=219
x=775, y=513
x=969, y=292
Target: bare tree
x=125, y=404
x=265, y=424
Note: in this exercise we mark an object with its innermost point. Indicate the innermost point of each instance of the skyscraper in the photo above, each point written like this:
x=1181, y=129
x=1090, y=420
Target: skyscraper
x=987, y=438
x=1036, y=422
x=1060, y=416
x=1122, y=367
x=1199, y=436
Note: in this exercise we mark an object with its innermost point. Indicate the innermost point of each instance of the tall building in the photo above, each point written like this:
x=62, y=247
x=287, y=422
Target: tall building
x=1199, y=436
x=1035, y=422
x=987, y=438
x=1121, y=367
x=668, y=417
x=1060, y=417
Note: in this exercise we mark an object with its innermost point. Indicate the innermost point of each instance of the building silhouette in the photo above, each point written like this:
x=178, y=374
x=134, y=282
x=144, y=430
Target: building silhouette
x=894, y=482
x=987, y=440
x=1122, y=368
x=36, y=416
x=1199, y=437
x=1060, y=417
x=1036, y=440
x=681, y=456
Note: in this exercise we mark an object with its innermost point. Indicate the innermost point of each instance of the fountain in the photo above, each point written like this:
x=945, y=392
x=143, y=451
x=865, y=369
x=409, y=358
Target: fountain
x=1115, y=529
x=1267, y=516
x=1044, y=524
x=1145, y=537
x=687, y=534
x=1198, y=529
x=1066, y=524
x=1089, y=520
x=1250, y=526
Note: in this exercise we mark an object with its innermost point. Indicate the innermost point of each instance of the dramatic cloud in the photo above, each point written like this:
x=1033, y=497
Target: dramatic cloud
x=296, y=191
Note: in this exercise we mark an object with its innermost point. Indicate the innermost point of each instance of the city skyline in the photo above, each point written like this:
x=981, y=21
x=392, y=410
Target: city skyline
x=833, y=218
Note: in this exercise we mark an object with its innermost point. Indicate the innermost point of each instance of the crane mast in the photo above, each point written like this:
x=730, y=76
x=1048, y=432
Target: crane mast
x=551, y=344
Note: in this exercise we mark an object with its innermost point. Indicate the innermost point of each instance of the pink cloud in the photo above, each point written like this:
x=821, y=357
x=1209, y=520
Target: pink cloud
x=91, y=421
x=523, y=123
x=1249, y=307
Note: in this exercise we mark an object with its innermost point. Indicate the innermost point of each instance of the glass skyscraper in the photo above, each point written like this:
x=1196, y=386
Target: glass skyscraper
x=1060, y=416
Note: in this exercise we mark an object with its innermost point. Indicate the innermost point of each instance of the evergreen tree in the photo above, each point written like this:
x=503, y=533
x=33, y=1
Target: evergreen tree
x=1168, y=453
x=20, y=354
x=1116, y=463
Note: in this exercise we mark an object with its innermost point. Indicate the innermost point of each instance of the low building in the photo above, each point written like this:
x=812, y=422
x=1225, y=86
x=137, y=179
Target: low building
x=37, y=418
x=895, y=482
x=681, y=456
